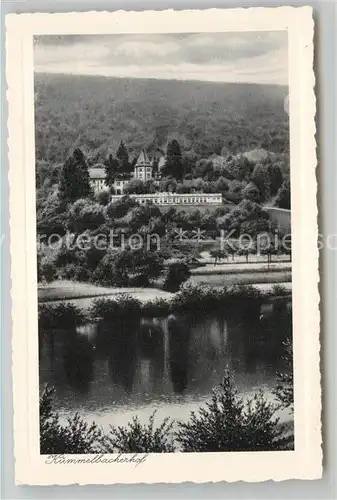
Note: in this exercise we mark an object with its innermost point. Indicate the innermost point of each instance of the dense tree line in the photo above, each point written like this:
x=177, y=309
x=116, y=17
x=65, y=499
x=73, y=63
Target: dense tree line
x=205, y=118
x=235, y=141
x=66, y=203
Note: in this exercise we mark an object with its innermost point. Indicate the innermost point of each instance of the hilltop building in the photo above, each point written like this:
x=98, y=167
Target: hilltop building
x=97, y=177
x=176, y=198
x=145, y=169
x=121, y=181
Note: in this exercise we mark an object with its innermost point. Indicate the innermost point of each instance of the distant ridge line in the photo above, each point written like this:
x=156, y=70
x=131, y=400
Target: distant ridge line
x=186, y=80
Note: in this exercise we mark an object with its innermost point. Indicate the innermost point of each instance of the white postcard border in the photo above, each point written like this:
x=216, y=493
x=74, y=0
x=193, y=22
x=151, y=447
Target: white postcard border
x=306, y=461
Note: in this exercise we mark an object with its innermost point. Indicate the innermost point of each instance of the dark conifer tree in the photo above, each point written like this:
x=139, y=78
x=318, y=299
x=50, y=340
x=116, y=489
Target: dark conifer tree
x=276, y=178
x=74, y=180
x=123, y=156
x=173, y=165
x=111, y=169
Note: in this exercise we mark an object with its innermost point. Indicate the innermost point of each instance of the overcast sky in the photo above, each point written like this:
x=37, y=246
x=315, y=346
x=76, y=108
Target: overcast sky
x=258, y=57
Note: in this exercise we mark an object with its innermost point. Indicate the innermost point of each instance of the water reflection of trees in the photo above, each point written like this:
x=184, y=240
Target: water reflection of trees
x=66, y=358
x=78, y=359
x=179, y=335
x=128, y=343
x=258, y=341
x=143, y=355
x=152, y=349
x=50, y=371
x=118, y=342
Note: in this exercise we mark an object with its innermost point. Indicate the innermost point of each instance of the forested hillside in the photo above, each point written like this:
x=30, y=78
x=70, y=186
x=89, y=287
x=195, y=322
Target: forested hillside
x=218, y=138
x=95, y=113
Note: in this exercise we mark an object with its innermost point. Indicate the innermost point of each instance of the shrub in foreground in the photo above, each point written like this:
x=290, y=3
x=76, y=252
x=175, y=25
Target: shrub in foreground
x=225, y=423
x=76, y=436
x=284, y=390
x=138, y=438
x=228, y=423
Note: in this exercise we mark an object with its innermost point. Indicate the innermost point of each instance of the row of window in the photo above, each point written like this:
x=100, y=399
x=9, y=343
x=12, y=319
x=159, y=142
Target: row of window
x=162, y=201
x=121, y=183
x=141, y=169
x=98, y=183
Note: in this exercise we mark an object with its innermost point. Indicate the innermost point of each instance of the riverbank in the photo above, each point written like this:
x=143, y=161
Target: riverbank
x=84, y=295
x=259, y=275
x=60, y=290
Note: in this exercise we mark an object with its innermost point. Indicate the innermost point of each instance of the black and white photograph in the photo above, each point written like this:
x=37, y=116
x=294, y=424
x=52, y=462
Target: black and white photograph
x=164, y=242
x=165, y=318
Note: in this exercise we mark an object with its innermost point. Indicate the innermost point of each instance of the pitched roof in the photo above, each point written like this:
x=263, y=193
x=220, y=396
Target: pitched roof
x=143, y=159
x=97, y=173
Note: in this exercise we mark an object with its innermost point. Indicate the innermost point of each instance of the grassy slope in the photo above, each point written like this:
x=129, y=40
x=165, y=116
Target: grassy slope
x=64, y=290
x=219, y=280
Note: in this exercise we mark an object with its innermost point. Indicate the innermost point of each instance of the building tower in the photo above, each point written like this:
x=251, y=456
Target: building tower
x=143, y=168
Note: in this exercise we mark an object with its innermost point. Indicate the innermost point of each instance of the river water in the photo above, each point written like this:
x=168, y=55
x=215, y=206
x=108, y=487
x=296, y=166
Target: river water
x=112, y=372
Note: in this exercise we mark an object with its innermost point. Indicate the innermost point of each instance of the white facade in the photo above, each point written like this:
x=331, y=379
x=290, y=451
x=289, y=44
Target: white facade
x=97, y=184
x=97, y=177
x=120, y=184
x=175, y=198
x=142, y=173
